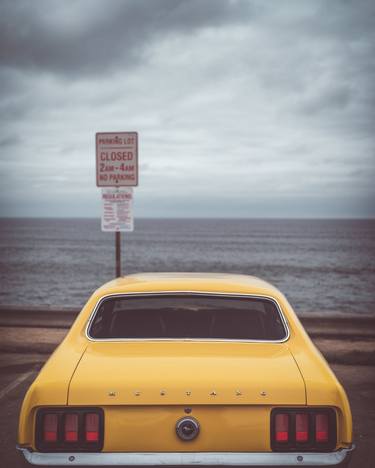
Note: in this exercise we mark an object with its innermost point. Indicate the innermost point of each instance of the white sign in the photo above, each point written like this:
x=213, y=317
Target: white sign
x=117, y=214
x=117, y=159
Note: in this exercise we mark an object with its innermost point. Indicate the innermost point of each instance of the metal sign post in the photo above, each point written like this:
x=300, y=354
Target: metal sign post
x=117, y=167
x=118, y=254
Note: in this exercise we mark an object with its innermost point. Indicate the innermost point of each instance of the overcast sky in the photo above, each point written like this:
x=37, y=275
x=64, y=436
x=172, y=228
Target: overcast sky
x=243, y=108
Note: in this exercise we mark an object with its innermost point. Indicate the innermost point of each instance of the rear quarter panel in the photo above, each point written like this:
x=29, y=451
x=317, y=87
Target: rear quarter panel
x=322, y=386
x=51, y=386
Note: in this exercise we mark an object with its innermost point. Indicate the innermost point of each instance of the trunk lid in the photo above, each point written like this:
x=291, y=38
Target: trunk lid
x=186, y=373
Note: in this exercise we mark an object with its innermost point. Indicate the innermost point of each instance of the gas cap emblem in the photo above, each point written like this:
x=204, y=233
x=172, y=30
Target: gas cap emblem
x=187, y=428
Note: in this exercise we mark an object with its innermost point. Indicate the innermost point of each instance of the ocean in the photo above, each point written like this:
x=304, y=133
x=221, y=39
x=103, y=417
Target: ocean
x=322, y=266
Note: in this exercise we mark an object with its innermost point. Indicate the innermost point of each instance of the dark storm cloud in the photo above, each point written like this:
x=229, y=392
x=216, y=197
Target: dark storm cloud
x=244, y=108
x=334, y=99
x=9, y=141
x=342, y=19
x=114, y=36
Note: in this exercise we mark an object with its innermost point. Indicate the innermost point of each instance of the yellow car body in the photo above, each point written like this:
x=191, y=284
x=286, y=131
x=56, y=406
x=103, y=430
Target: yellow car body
x=144, y=387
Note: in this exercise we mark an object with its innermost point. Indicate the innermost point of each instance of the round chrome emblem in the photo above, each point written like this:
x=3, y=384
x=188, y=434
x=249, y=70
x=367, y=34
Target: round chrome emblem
x=187, y=428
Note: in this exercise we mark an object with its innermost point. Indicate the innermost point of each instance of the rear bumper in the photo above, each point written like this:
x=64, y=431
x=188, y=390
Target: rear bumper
x=339, y=458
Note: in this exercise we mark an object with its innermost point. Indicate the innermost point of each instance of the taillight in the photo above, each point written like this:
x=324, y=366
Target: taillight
x=321, y=428
x=303, y=429
x=92, y=427
x=282, y=427
x=71, y=427
x=50, y=422
x=68, y=429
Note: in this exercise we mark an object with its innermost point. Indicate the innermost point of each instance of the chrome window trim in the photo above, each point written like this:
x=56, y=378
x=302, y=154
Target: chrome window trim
x=340, y=458
x=180, y=293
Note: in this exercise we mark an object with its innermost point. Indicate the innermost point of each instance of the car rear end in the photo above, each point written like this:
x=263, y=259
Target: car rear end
x=172, y=379
x=221, y=435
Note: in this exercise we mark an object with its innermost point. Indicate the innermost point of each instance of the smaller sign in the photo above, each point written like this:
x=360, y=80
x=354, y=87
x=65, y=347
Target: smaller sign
x=117, y=214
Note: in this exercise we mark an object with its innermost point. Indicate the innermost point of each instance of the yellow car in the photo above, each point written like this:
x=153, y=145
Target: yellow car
x=186, y=369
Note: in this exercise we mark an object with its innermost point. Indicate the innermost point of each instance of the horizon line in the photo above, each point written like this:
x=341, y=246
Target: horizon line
x=317, y=218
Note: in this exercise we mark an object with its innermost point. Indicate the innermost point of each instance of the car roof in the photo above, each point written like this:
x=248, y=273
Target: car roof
x=189, y=282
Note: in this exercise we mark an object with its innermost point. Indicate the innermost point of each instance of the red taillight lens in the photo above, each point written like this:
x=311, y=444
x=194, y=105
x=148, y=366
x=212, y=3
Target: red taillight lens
x=321, y=428
x=71, y=428
x=306, y=429
x=50, y=423
x=282, y=427
x=302, y=427
x=92, y=427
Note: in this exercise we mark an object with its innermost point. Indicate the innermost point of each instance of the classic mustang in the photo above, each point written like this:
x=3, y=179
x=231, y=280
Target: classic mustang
x=186, y=369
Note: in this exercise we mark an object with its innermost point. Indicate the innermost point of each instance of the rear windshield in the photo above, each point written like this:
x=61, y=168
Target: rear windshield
x=187, y=317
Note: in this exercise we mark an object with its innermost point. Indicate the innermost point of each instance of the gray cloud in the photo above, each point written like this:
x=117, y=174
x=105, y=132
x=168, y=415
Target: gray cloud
x=243, y=108
x=10, y=140
x=335, y=99
x=102, y=38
